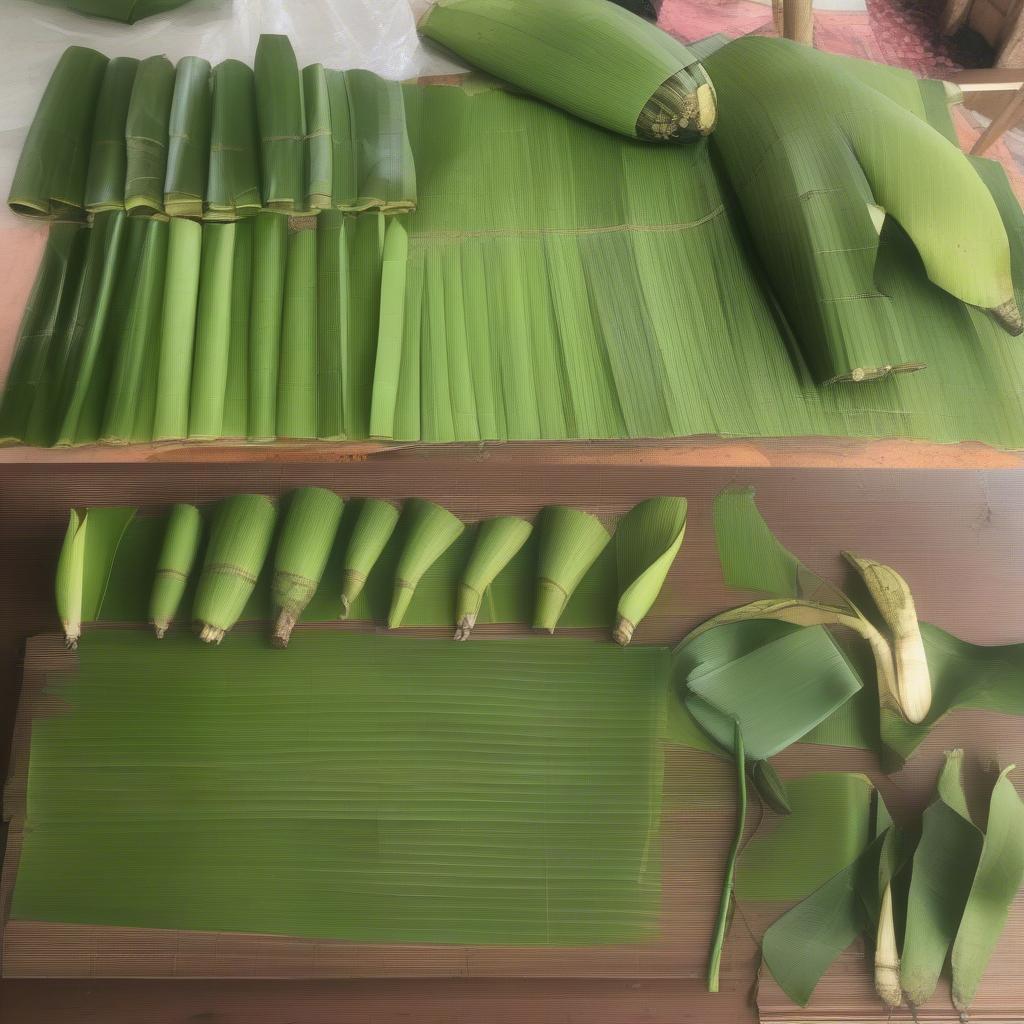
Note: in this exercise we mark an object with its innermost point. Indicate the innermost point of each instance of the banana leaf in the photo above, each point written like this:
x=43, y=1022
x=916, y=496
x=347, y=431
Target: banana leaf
x=281, y=122
x=188, y=131
x=50, y=179
x=147, y=129
x=177, y=329
x=364, y=266
x=319, y=141
x=333, y=232
x=135, y=338
x=776, y=693
x=233, y=185
x=236, y=397
x=86, y=358
x=391, y=325
x=297, y=374
x=128, y=11
x=269, y=258
x=802, y=944
x=104, y=187
x=850, y=157
x=593, y=59
x=944, y=864
x=42, y=322
x=213, y=333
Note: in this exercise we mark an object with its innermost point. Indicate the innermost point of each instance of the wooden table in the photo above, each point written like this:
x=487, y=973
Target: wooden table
x=958, y=536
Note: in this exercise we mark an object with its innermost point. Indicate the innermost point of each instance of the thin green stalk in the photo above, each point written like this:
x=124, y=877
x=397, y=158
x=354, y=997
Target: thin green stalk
x=730, y=865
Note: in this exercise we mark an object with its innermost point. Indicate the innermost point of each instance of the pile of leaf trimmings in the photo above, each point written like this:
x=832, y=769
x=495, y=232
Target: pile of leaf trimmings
x=945, y=900
x=242, y=533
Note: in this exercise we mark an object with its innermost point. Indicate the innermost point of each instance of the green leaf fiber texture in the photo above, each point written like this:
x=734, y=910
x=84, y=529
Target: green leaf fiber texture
x=129, y=11
x=583, y=286
x=506, y=792
x=434, y=602
x=188, y=150
x=104, y=188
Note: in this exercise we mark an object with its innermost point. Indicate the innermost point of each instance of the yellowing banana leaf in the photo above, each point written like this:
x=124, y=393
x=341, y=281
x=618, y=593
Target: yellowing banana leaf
x=776, y=692
x=944, y=864
x=375, y=811
x=848, y=155
x=50, y=178
x=591, y=58
x=233, y=185
x=104, y=187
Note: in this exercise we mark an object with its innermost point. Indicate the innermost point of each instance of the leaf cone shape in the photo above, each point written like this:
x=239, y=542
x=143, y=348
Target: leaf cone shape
x=497, y=541
x=307, y=536
x=177, y=556
x=374, y=526
x=569, y=544
x=647, y=540
x=429, y=531
x=240, y=537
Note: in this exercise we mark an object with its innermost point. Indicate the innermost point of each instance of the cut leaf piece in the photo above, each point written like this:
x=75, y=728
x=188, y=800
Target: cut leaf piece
x=777, y=692
x=568, y=545
x=177, y=329
x=281, y=122
x=429, y=531
x=996, y=883
x=240, y=536
x=50, y=178
x=104, y=188
x=319, y=142
x=146, y=136
x=647, y=540
x=70, y=578
x=233, y=185
x=296, y=381
x=188, y=139
x=376, y=522
x=497, y=541
x=591, y=58
x=945, y=862
x=770, y=787
x=177, y=557
x=269, y=258
x=896, y=604
x=307, y=536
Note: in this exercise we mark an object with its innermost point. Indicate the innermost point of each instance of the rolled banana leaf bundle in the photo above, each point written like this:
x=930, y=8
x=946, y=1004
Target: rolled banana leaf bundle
x=282, y=125
x=104, y=188
x=177, y=556
x=233, y=184
x=188, y=152
x=589, y=57
x=128, y=11
x=821, y=160
x=146, y=136
x=50, y=179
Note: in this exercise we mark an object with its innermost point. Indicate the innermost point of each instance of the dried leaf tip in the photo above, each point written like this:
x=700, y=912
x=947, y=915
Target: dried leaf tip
x=891, y=594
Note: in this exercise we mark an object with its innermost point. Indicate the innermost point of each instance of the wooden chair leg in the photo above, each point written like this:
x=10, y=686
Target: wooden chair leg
x=1006, y=118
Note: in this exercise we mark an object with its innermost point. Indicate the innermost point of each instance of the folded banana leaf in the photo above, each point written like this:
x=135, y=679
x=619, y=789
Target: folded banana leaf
x=188, y=147
x=104, y=188
x=233, y=186
x=128, y=11
x=297, y=374
x=50, y=179
x=593, y=59
x=147, y=131
x=819, y=161
x=281, y=120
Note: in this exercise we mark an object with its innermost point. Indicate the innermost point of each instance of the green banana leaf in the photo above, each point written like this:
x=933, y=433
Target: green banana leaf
x=147, y=135
x=188, y=139
x=297, y=367
x=233, y=185
x=281, y=121
x=129, y=11
x=375, y=811
x=50, y=178
x=849, y=155
x=593, y=59
x=104, y=186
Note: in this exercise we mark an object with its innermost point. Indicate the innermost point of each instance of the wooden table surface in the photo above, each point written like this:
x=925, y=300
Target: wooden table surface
x=957, y=535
